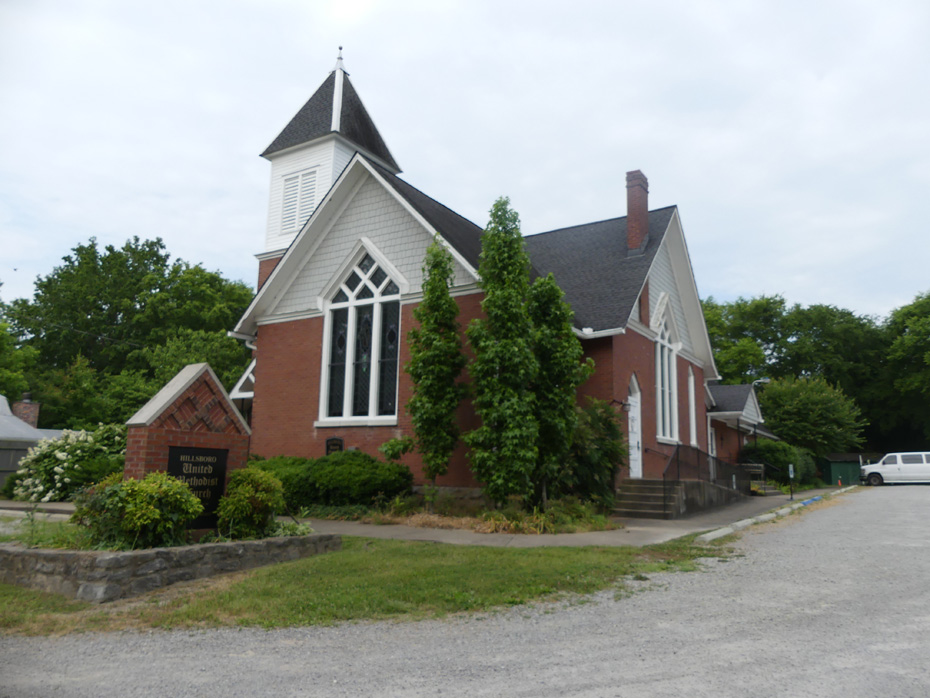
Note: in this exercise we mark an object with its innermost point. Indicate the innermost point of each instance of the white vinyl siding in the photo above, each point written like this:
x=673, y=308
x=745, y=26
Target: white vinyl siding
x=662, y=280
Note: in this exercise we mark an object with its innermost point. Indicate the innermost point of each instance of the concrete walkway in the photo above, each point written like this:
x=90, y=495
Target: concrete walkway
x=637, y=532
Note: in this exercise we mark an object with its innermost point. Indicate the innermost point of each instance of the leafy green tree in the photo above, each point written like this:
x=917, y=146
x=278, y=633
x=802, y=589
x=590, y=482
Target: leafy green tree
x=504, y=447
x=907, y=379
x=558, y=354
x=108, y=327
x=109, y=305
x=436, y=362
x=810, y=413
x=747, y=336
x=226, y=356
x=15, y=363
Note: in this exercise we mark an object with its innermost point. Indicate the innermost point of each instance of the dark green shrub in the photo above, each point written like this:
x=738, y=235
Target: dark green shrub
x=343, y=478
x=296, y=478
x=353, y=477
x=148, y=513
x=252, y=499
x=779, y=455
x=11, y=482
x=598, y=450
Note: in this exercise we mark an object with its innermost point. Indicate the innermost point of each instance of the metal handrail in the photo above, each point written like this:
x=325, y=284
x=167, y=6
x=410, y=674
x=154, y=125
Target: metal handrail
x=698, y=465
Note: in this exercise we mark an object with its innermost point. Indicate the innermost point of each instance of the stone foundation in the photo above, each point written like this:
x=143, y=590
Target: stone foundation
x=106, y=576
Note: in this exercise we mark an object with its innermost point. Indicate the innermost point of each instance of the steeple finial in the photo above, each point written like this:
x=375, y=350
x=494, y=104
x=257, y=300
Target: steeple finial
x=340, y=73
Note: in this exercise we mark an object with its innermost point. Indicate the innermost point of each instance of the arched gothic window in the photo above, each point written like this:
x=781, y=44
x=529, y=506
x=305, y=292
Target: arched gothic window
x=666, y=384
x=363, y=341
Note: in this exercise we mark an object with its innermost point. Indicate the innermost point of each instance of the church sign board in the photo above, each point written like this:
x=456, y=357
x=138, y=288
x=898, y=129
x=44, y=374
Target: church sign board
x=192, y=430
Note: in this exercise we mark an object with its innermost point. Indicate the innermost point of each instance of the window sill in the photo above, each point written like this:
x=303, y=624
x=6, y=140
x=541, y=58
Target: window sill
x=667, y=441
x=356, y=422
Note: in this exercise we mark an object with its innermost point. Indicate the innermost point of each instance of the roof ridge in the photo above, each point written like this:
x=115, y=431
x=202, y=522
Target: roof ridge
x=584, y=225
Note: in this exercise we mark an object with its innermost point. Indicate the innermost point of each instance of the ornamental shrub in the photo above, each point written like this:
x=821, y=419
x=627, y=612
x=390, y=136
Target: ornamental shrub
x=597, y=452
x=148, y=513
x=54, y=470
x=248, y=508
x=353, y=477
x=341, y=479
x=295, y=476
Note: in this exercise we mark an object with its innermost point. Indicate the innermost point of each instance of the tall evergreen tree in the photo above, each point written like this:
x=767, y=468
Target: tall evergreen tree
x=436, y=361
x=504, y=448
x=558, y=354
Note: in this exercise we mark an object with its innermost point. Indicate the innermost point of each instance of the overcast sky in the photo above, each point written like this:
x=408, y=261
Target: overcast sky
x=793, y=136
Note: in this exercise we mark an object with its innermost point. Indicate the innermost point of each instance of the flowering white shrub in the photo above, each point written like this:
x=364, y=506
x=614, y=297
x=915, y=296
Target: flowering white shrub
x=54, y=469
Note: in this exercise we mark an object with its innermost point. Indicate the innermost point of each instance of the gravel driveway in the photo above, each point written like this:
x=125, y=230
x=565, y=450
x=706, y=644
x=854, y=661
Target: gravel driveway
x=832, y=602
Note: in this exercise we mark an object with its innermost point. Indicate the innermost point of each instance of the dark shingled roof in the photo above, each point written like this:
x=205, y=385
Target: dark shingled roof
x=315, y=120
x=730, y=398
x=600, y=277
x=460, y=232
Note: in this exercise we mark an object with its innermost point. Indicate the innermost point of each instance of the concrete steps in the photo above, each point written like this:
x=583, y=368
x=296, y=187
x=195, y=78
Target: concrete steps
x=645, y=499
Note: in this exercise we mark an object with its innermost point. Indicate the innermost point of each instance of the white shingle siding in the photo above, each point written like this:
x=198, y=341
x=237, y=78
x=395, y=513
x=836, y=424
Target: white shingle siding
x=375, y=214
x=751, y=412
x=325, y=160
x=662, y=279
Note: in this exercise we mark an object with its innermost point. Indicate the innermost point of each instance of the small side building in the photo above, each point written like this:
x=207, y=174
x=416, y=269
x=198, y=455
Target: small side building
x=18, y=435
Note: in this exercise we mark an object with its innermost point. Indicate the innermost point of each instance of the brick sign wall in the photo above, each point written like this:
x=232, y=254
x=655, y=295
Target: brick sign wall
x=192, y=430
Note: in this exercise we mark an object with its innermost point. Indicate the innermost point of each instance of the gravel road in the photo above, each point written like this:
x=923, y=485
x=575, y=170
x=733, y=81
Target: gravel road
x=832, y=602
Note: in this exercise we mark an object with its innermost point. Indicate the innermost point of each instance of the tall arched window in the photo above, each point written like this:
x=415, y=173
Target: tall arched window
x=666, y=384
x=363, y=340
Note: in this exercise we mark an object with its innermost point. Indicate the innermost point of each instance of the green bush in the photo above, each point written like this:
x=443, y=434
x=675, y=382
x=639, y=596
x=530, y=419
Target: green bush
x=598, y=450
x=54, y=470
x=296, y=478
x=780, y=454
x=252, y=499
x=353, y=477
x=344, y=478
x=148, y=513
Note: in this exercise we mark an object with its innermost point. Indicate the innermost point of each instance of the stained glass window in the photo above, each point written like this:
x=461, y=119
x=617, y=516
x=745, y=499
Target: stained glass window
x=364, y=336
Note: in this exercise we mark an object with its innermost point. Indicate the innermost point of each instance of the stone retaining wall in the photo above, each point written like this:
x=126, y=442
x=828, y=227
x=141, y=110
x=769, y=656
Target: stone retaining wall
x=106, y=576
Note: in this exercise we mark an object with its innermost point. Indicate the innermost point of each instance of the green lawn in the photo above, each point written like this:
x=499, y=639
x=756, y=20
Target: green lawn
x=369, y=580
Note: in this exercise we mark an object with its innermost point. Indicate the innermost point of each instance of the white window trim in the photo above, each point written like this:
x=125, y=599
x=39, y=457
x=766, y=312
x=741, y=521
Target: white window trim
x=332, y=288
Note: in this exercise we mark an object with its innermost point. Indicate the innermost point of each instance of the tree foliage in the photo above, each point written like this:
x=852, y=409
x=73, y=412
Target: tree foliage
x=560, y=371
x=108, y=327
x=812, y=414
x=504, y=447
x=436, y=362
x=908, y=371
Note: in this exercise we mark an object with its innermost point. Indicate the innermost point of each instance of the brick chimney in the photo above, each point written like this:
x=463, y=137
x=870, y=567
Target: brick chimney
x=637, y=210
x=27, y=411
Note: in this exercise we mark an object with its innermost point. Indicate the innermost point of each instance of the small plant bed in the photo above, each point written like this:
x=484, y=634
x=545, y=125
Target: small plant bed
x=369, y=580
x=566, y=516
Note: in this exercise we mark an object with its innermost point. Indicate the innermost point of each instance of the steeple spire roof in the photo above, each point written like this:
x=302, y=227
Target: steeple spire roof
x=334, y=108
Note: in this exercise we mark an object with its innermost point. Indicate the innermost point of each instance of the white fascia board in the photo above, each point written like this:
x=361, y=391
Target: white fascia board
x=272, y=254
x=324, y=216
x=691, y=301
x=426, y=225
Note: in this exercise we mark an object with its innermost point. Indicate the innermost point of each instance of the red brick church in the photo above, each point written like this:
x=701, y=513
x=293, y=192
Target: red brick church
x=340, y=275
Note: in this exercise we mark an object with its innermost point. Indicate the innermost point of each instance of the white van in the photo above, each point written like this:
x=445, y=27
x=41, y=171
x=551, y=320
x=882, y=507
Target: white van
x=898, y=467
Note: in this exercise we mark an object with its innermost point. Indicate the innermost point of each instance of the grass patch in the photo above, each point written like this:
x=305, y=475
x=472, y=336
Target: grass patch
x=369, y=580
x=45, y=534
